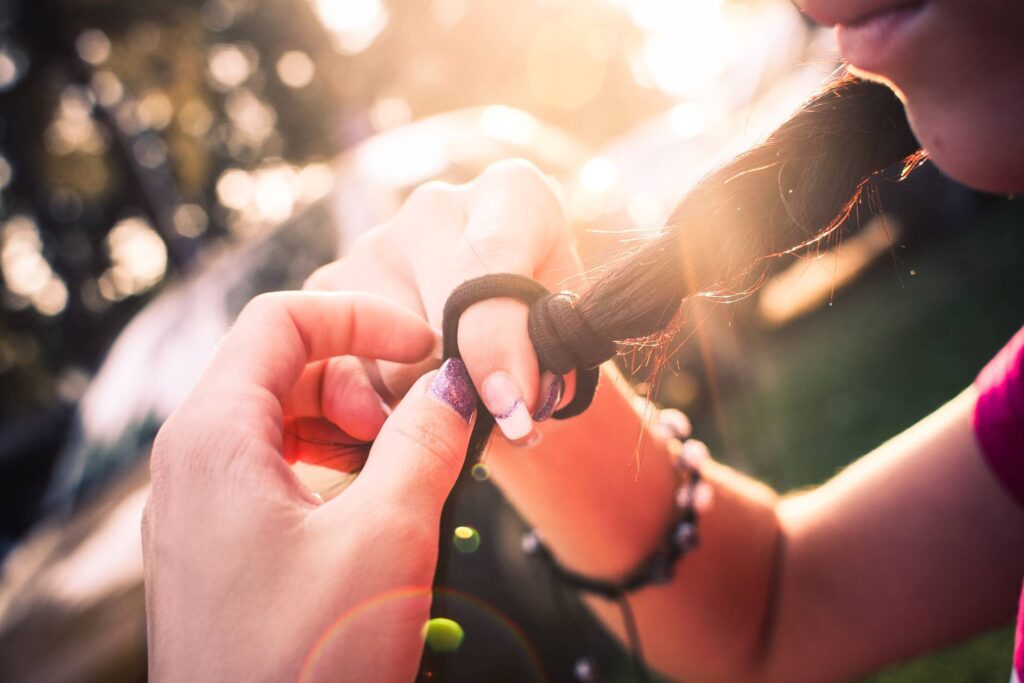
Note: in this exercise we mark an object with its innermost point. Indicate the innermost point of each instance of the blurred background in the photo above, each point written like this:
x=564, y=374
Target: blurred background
x=161, y=162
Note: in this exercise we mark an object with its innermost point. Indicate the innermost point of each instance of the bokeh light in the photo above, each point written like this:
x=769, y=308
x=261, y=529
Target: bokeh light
x=230, y=66
x=6, y=172
x=138, y=259
x=27, y=274
x=443, y=635
x=10, y=69
x=466, y=539
x=73, y=128
x=295, y=69
x=93, y=46
x=270, y=193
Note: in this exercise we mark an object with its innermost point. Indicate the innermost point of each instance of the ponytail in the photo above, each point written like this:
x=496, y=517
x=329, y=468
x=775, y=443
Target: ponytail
x=784, y=195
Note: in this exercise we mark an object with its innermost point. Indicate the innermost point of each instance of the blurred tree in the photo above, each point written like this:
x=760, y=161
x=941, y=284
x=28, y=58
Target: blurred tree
x=135, y=134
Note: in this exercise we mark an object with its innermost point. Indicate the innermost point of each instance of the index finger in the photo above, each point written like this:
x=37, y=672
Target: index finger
x=278, y=334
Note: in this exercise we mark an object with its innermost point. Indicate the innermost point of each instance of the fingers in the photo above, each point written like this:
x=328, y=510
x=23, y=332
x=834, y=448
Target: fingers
x=513, y=223
x=339, y=390
x=278, y=334
x=419, y=452
x=508, y=220
x=315, y=441
x=378, y=264
x=503, y=367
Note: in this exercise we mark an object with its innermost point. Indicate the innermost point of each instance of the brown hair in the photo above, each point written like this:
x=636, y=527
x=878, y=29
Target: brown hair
x=786, y=194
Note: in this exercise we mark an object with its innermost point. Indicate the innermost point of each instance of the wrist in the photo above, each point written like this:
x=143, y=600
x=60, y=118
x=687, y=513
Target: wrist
x=598, y=487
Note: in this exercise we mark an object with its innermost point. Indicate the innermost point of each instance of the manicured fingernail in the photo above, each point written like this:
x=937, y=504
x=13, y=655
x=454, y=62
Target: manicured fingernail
x=530, y=440
x=453, y=387
x=502, y=397
x=552, y=387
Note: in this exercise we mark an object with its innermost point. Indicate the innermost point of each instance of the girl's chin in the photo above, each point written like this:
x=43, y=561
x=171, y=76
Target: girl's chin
x=975, y=154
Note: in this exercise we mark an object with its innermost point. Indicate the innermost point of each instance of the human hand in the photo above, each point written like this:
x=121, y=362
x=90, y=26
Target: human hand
x=507, y=220
x=249, y=575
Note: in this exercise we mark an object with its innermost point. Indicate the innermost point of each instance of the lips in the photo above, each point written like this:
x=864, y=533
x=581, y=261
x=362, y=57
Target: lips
x=849, y=13
x=882, y=41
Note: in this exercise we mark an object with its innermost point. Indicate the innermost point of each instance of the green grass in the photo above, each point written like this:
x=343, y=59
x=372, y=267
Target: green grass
x=815, y=395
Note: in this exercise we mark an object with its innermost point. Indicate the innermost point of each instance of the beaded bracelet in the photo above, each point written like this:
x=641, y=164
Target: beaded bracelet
x=692, y=498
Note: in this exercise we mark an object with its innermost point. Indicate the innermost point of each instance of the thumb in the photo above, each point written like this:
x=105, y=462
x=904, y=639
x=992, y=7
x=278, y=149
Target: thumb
x=420, y=450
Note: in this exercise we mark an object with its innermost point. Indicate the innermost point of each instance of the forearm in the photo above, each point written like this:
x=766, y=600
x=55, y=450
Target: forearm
x=601, y=492
x=913, y=547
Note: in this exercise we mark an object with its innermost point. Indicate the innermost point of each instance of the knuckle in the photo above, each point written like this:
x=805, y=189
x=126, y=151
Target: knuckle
x=322, y=279
x=515, y=172
x=371, y=246
x=522, y=178
x=429, y=197
x=490, y=247
x=427, y=205
x=268, y=305
x=369, y=242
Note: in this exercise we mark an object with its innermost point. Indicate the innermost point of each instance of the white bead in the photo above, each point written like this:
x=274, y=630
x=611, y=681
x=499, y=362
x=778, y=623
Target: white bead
x=677, y=422
x=695, y=453
x=703, y=497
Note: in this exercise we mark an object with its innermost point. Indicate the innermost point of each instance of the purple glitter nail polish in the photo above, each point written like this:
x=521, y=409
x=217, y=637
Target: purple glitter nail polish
x=453, y=387
x=551, y=399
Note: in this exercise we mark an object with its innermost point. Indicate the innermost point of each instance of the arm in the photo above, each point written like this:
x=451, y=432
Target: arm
x=920, y=518
x=913, y=547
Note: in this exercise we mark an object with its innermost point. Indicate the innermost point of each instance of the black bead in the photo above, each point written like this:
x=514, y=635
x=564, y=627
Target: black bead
x=684, y=535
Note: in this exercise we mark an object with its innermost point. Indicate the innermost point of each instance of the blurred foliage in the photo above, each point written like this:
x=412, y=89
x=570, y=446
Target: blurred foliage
x=208, y=121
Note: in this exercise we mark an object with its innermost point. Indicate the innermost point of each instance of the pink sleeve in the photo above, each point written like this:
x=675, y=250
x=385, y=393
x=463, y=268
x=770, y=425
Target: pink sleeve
x=999, y=416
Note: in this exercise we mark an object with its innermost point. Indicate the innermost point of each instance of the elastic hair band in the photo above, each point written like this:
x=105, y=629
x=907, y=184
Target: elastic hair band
x=560, y=336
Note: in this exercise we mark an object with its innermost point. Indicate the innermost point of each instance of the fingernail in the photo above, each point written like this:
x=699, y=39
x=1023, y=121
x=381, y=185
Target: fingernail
x=502, y=397
x=552, y=387
x=452, y=386
x=531, y=440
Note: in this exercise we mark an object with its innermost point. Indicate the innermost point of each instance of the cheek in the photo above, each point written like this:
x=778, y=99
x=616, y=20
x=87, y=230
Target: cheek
x=964, y=92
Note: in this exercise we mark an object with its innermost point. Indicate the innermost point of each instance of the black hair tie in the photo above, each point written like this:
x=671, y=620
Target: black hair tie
x=560, y=336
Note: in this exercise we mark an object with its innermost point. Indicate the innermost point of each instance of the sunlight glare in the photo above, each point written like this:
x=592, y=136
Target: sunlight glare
x=505, y=123
x=688, y=42
x=355, y=24
x=598, y=175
